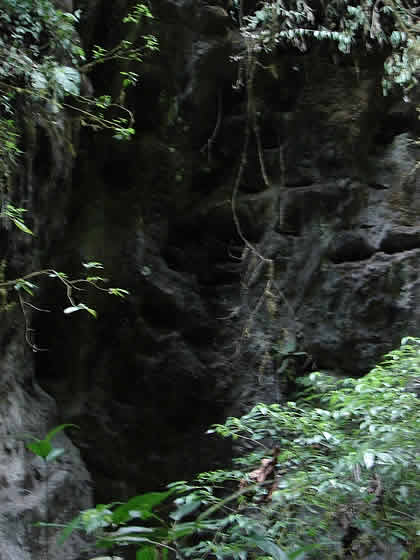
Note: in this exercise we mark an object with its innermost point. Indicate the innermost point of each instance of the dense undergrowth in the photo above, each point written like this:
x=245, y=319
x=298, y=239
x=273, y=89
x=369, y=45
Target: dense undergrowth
x=333, y=475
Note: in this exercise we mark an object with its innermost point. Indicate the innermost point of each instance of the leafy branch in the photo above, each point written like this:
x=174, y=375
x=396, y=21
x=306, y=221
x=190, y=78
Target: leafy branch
x=388, y=26
x=24, y=285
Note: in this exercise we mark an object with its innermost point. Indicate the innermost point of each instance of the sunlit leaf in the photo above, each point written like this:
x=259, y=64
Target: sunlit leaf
x=54, y=454
x=93, y=265
x=68, y=79
x=185, y=509
x=19, y=224
x=369, y=459
x=72, y=309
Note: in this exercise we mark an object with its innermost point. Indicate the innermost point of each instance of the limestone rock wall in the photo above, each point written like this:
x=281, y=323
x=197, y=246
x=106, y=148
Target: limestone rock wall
x=328, y=276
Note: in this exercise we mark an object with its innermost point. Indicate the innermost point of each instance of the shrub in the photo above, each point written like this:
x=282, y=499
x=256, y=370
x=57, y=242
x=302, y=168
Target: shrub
x=333, y=475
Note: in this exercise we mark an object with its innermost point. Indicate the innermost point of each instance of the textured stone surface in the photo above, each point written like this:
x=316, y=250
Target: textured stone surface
x=209, y=329
x=30, y=491
x=331, y=279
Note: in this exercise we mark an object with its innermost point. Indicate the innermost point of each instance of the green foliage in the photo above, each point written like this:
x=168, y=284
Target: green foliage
x=9, y=150
x=42, y=61
x=112, y=523
x=137, y=13
x=25, y=286
x=34, y=37
x=346, y=458
x=333, y=475
x=41, y=68
x=15, y=215
x=368, y=25
x=43, y=447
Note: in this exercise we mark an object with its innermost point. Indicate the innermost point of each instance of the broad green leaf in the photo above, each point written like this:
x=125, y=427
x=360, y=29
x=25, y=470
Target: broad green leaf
x=143, y=504
x=42, y=448
x=22, y=226
x=68, y=79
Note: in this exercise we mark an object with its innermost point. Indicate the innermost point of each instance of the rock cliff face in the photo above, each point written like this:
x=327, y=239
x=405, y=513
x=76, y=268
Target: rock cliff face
x=30, y=490
x=322, y=272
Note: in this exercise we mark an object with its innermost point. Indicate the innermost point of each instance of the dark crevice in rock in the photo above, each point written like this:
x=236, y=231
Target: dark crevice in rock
x=400, y=239
x=397, y=122
x=378, y=186
x=300, y=184
x=349, y=247
x=43, y=161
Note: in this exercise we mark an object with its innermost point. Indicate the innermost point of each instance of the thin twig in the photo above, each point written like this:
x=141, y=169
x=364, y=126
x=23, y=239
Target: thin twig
x=209, y=144
x=28, y=329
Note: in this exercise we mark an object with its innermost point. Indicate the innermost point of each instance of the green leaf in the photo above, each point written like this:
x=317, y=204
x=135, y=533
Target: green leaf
x=79, y=307
x=269, y=547
x=72, y=309
x=185, y=509
x=118, y=292
x=55, y=274
x=127, y=531
x=38, y=80
x=72, y=526
x=183, y=530
x=68, y=79
x=93, y=265
x=146, y=553
x=19, y=224
x=26, y=286
x=143, y=504
x=88, y=309
x=54, y=454
x=95, y=279
x=369, y=459
x=58, y=429
x=41, y=447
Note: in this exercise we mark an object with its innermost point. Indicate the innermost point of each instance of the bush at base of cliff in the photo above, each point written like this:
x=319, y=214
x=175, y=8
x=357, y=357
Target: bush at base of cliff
x=338, y=470
x=333, y=475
